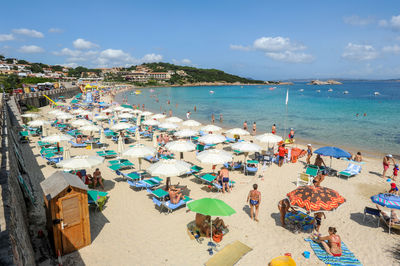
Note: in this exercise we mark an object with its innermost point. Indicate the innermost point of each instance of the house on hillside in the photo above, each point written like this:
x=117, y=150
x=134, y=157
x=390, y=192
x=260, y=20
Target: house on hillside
x=159, y=75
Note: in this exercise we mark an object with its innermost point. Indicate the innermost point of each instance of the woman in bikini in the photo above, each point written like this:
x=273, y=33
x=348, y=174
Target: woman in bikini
x=174, y=193
x=254, y=200
x=334, y=245
x=309, y=153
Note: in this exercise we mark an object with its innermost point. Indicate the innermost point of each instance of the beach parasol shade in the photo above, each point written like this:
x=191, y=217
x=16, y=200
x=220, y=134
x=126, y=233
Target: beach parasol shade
x=186, y=133
x=169, y=167
x=212, y=207
x=151, y=122
x=126, y=115
x=211, y=128
x=80, y=123
x=137, y=111
x=81, y=162
x=211, y=139
x=158, y=116
x=65, y=116
x=314, y=199
x=214, y=157
x=84, y=112
x=246, y=146
x=387, y=200
x=121, y=126
x=90, y=128
x=173, y=119
x=38, y=123
x=30, y=115
x=333, y=152
x=101, y=117
x=167, y=126
x=139, y=151
x=146, y=113
x=269, y=138
x=180, y=146
x=57, y=138
x=191, y=123
x=237, y=131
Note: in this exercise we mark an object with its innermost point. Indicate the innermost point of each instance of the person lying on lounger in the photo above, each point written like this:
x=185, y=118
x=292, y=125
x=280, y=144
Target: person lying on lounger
x=175, y=193
x=393, y=218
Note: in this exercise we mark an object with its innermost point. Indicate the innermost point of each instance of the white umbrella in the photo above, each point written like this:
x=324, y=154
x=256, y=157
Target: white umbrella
x=237, y=131
x=90, y=128
x=77, y=111
x=168, y=126
x=119, y=108
x=146, y=113
x=151, y=122
x=44, y=131
x=38, y=123
x=102, y=137
x=137, y=111
x=80, y=123
x=158, y=116
x=66, y=154
x=121, y=145
x=180, y=146
x=127, y=110
x=56, y=112
x=139, y=151
x=173, y=119
x=30, y=115
x=186, y=133
x=246, y=146
x=84, y=112
x=211, y=128
x=81, y=162
x=65, y=116
x=191, y=123
x=126, y=115
x=168, y=168
x=101, y=117
x=212, y=139
x=108, y=110
x=269, y=138
x=121, y=126
x=214, y=157
x=57, y=138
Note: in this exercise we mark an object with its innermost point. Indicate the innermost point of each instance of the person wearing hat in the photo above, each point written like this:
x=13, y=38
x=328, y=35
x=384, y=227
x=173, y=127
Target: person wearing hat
x=386, y=164
x=309, y=153
x=393, y=189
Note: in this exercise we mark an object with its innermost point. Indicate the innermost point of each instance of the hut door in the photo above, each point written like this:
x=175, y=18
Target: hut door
x=71, y=223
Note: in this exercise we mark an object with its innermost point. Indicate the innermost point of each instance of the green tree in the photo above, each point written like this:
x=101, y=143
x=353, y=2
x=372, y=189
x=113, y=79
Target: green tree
x=2, y=57
x=23, y=62
x=10, y=60
x=36, y=68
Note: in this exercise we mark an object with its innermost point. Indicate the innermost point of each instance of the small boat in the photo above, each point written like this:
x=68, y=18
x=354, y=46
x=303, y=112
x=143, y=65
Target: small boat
x=301, y=90
x=137, y=92
x=212, y=92
x=346, y=92
x=330, y=90
x=376, y=93
x=272, y=88
x=318, y=91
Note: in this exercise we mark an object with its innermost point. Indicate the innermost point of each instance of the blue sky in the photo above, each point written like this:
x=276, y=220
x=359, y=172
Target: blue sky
x=267, y=40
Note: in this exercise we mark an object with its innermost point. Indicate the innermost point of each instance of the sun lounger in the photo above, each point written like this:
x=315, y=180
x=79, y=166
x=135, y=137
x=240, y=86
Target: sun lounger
x=120, y=166
x=234, y=166
x=134, y=176
x=77, y=145
x=347, y=257
x=373, y=212
x=312, y=170
x=151, y=159
x=194, y=169
x=107, y=154
x=159, y=193
x=170, y=206
x=236, y=152
x=304, y=179
x=53, y=160
x=97, y=199
x=388, y=223
x=145, y=183
x=43, y=144
x=229, y=140
x=351, y=170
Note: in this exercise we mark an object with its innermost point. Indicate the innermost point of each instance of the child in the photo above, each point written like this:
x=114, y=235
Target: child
x=393, y=189
x=395, y=170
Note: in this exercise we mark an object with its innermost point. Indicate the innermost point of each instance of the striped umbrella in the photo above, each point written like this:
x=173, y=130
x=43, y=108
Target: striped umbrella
x=387, y=200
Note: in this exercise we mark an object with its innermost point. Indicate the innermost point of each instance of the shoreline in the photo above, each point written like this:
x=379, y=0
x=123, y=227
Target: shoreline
x=373, y=154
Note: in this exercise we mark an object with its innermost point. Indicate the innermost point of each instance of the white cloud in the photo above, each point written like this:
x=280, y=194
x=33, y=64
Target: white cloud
x=55, y=30
x=30, y=49
x=184, y=61
x=6, y=37
x=393, y=23
x=82, y=44
x=28, y=32
x=278, y=48
x=69, y=65
x=395, y=49
x=359, y=52
x=358, y=21
x=150, y=58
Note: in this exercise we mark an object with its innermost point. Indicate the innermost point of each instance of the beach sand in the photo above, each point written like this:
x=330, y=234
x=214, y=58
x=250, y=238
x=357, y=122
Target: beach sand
x=131, y=231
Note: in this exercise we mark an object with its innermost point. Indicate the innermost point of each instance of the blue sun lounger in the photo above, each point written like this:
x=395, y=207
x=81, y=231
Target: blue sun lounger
x=170, y=206
x=351, y=170
x=77, y=145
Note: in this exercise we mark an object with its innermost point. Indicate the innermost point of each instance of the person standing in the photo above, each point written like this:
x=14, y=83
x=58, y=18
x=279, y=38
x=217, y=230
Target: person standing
x=170, y=113
x=212, y=118
x=254, y=200
x=273, y=130
x=281, y=153
x=317, y=220
x=195, y=109
x=309, y=153
x=291, y=135
x=220, y=118
x=254, y=128
x=386, y=164
x=224, y=177
x=188, y=115
x=245, y=125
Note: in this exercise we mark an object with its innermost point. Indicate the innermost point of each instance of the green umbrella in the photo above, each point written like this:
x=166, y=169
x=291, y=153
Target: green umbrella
x=212, y=207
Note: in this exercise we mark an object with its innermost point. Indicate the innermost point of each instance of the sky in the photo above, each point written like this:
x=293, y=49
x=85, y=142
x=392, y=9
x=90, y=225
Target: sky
x=267, y=40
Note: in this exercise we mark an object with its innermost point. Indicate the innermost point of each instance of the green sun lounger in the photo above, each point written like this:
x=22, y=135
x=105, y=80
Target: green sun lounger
x=312, y=171
x=117, y=167
x=97, y=199
x=160, y=193
x=108, y=153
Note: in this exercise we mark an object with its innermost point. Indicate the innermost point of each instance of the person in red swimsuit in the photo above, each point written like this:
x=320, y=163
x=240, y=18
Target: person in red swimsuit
x=273, y=129
x=281, y=152
x=386, y=164
x=334, y=245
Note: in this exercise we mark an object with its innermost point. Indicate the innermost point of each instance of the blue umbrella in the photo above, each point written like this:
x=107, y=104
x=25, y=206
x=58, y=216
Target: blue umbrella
x=387, y=200
x=333, y=152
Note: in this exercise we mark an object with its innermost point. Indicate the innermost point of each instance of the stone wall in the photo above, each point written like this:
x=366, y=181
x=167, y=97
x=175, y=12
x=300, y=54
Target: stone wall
x=38, y=100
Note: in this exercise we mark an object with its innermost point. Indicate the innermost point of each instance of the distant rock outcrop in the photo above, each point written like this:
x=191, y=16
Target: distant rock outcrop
x=328, y=82
x=278, y=83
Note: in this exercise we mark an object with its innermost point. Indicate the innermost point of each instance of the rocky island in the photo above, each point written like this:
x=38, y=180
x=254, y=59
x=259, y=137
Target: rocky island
x=328, y=82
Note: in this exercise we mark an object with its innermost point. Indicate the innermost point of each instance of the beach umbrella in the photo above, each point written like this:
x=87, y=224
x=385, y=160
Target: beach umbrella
x=246, y=146
x=212, y=139
x=57, y=138
x=137, y=112
x=81, y=162
x=191, y=123
x=180, y=146
x=315, y=199
x=76, y=111
x=100, y=117
x=211, y=207
x=333, y=152
x=56, y=112
x=65, y=116
x=269, y=138
x=186, y=133
x=118, y=108
x=139, y=151
x=168, y=126
x=30, y=115
x=168, y=168
x=102, y=137
x=126, y=115
x=84, y=112
x=66, y=154
x=237, y=131
x=90, y=128
x=211, y=128
x=173, y=119
x=108, y=110
x=38, y=123
x=80, y=123
x=121, y=126
x=387, y=200
x=146, y=113
x=214, y=157
x=158, y=116
x=121, y=146
x=151, y=122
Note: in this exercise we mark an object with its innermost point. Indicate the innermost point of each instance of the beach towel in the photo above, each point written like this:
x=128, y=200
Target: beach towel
x=347, y=257
x=229, y=255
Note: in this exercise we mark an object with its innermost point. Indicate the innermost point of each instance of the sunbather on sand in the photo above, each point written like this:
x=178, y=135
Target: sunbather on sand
x=203, y=223
x=334, y=245
x=97, y=178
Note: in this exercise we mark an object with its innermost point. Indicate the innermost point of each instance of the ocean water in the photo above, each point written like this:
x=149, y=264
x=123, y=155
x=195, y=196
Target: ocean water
x=321, y=117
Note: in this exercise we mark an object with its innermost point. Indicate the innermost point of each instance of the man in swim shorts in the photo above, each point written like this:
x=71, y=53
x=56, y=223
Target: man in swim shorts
x=224, y=177
x=254, y=200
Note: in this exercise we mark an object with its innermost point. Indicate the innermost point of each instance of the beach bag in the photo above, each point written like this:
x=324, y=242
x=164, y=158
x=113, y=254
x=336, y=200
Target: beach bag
x=217, y=237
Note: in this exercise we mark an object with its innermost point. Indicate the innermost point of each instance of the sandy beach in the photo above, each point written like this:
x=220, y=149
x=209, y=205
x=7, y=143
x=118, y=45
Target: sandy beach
x=131, y=231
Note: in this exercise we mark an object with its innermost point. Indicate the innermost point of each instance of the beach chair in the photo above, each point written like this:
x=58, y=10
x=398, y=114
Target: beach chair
x=388, y=223
x=236, y=152
x=151, y=159
x=219, y=187
x=229, y=140
x=133, y=176
x=97, y=199
x=199, y=148
x=351, y=170
x=372, y=212
x=194, y=169
x=158, y=193
x=312, y=170
x=77, y=145
x=120, y=166
x=251, y=170
x=172, y=207
x=304, y=178
x=53, y=160
x=107, y=154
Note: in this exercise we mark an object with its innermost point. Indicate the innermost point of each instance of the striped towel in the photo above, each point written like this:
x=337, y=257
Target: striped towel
x=347, y=257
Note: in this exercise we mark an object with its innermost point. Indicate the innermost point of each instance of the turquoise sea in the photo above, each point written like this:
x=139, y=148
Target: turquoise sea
x=328, y=117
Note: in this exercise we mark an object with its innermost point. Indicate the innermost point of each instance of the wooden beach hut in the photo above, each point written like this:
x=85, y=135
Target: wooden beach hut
x=66, y=203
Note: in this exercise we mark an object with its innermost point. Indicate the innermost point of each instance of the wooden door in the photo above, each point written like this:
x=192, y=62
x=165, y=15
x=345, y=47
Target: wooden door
x=72, y=235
